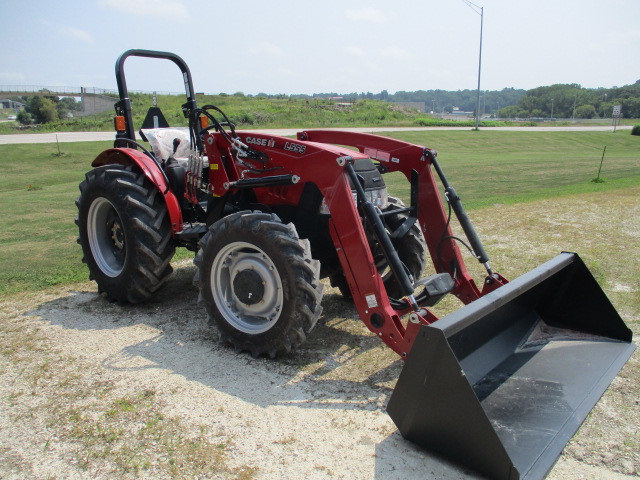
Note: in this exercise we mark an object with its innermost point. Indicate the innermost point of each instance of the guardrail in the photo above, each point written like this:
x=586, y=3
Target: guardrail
x=546, y=121
x=56, y=90
x=62, y=91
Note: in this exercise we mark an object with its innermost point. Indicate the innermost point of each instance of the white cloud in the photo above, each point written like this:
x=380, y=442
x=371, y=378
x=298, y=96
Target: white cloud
x=166, y=9
x=12, y=78
x=357, y=51
x=266, y=48
x=366, y=15
x=76, y=33
x=71, y=32
x=395, y=53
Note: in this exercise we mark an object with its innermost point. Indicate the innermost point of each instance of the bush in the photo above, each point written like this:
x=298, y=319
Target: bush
x=586, y=111
x=24, y=118
x=635, y=130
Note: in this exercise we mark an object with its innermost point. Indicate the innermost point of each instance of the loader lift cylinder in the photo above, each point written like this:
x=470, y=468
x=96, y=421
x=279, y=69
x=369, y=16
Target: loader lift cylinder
x=381, y=235
x=461, y=214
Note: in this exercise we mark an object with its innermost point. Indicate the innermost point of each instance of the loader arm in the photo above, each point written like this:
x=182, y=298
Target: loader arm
x=427, y=203
x=501, y=384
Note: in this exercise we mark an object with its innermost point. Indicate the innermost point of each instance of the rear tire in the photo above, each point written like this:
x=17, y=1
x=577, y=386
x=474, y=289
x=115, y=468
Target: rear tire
x=258, y=282
x=124, y=232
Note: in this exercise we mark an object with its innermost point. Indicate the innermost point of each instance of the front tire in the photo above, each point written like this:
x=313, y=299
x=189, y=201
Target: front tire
x=258, y=282
x=124, y=232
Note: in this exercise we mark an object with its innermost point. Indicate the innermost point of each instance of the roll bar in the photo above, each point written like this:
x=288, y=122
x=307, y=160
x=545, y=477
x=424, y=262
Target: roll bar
x=123, y=107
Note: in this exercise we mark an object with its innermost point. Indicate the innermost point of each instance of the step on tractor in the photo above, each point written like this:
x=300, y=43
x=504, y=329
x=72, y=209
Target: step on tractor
x=500, y=385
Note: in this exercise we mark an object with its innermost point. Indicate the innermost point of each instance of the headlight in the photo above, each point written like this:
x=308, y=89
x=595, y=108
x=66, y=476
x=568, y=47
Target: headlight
x=379, y=198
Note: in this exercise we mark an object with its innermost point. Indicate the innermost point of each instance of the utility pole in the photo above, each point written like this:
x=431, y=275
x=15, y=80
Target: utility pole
x=480, y=11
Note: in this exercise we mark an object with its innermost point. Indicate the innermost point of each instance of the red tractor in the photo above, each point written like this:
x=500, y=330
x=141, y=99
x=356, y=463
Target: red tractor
x=268, y=217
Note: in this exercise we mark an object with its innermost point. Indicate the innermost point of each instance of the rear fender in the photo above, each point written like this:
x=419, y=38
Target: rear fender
x=132, y=157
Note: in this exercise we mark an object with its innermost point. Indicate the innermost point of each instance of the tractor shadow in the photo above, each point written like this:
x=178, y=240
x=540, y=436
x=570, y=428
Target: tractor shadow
x=340, y=366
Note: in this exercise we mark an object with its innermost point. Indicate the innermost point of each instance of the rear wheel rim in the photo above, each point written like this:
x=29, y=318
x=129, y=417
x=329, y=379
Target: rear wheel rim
x=246, y=287
x=106, y=237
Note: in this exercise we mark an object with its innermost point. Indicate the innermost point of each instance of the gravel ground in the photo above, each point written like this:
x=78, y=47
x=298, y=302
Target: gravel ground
x=91, y=390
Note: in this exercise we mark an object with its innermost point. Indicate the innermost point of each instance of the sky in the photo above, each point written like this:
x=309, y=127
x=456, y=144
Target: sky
x=343, y=46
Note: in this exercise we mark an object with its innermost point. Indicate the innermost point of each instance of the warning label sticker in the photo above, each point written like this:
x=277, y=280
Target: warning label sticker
x=371, y=300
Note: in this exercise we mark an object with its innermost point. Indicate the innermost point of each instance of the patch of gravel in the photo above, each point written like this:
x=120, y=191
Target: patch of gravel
x=85, y=382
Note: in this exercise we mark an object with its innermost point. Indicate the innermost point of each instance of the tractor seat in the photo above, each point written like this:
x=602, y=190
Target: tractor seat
x=161, y=141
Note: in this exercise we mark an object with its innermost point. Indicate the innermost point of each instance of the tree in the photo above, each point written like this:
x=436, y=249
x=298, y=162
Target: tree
x=512, y=111
x=24, y=117
x=42, y=109
x=586, y=111
x=67, y=105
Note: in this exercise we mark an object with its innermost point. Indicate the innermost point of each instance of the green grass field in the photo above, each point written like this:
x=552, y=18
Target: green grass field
x=489, y=167
x=38, y=187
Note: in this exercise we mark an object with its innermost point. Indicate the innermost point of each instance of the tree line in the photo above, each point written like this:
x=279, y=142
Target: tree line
x=435, y=101
x=573, y=101
x=555, y=101
x=46, y=109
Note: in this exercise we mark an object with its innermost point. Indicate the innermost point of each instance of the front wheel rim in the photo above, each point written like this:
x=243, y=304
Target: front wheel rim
x=246, y=287
x=106, y=237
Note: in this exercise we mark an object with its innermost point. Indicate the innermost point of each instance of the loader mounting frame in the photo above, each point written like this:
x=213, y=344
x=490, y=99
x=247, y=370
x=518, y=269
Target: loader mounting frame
x=315, y=158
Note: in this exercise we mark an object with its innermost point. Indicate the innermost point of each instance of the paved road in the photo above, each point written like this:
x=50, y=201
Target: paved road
x=98, y=136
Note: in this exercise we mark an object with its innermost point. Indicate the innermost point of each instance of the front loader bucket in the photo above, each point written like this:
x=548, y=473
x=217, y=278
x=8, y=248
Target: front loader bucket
x=502, y=384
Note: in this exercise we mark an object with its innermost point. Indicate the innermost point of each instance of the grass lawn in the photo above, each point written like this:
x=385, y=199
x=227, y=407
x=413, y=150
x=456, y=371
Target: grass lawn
x=38, y=187
x=492, y=166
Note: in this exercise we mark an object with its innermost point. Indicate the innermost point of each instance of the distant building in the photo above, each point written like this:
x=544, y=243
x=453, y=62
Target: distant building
x=8, y=103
